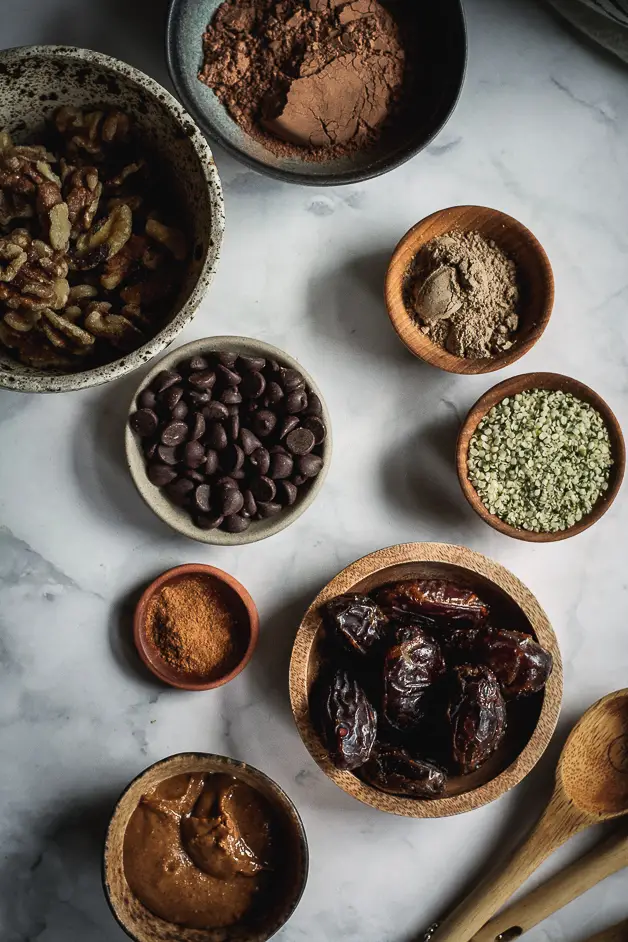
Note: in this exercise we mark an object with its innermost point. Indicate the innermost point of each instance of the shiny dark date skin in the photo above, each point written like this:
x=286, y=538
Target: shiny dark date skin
x=393, y=770
x=477, y=716
x=433, y=597
x=357, y=622
x=411, y=666
x=521, y=666
x=349, y=722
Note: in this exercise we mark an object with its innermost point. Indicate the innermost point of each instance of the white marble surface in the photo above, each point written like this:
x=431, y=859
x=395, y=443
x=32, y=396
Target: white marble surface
x=541, y=132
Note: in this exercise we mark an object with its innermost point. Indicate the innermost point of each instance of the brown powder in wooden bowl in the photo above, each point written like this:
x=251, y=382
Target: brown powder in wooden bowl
x=195, y=629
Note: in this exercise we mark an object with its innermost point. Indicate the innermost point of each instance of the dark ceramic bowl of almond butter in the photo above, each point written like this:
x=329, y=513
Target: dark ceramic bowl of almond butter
x=356, y=87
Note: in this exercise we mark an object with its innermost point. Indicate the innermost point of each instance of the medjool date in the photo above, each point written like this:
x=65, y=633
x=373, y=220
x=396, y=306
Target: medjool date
x=433, y=597
x=358, y=622
x=477, y=716
x=349, y=722
x=395, y=771
x=520, y=664
x=411, y=666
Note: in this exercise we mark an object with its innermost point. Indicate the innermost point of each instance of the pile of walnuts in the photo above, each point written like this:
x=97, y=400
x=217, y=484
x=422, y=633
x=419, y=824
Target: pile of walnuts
x=89, y=262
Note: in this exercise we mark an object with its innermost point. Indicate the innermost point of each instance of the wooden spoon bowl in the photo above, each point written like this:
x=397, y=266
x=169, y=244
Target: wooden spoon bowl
x=531, y=722
x=535, y=277
x=511, y=387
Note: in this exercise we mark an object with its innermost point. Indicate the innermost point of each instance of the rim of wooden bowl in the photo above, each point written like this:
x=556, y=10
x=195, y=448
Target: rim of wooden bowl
x=150, y=655
x=116, y=888
x=467, y=219
x=511, y=387
x=382, y=561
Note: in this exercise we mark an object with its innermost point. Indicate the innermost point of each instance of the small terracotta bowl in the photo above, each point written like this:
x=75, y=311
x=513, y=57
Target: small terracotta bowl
x=178, y=518
x=511, y=387
x=531, y=720
x=238, y=598
x=140, y=924
x=535, y=278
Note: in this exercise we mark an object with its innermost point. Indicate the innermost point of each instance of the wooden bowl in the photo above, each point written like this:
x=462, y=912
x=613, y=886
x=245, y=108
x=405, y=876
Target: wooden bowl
x=532, y=720
x=138, y=922
x=242, y=605
x=511, y=387
x=535, y=273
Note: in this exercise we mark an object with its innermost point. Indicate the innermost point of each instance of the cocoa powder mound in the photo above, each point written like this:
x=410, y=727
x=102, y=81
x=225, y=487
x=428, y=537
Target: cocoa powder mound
x=315, y=79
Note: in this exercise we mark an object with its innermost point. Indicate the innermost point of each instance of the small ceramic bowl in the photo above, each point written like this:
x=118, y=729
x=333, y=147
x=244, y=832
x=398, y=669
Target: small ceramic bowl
x=239, y=600
x=532, y=720
x=438, y=55
x=535, y=276
x=34, y=82
x=511, y=387
x=176, y=517
x=140, y=924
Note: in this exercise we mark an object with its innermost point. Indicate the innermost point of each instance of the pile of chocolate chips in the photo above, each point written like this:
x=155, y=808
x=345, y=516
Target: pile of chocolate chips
x=230, y=438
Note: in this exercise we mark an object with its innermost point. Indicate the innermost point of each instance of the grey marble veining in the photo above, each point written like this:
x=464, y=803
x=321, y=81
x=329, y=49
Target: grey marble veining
x=541, y=132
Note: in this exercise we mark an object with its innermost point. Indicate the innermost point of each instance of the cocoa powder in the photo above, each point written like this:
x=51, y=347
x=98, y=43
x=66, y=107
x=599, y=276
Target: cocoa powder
x=315, y=79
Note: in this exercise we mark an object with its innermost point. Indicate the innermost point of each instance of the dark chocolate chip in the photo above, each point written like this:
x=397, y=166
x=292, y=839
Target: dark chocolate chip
x=300, y=441
x=239, y=474
x=216, y=436
x=197, y=426
x=200, y=397
x=264, y=422
x=165, y=379
x=296, y=401
x=290, y=422
x=291, y=380
x=280, y=466
x=253, y=364
x=317, y=427
x=274, y=393
x=171, y=396
x=228, y=359
x=197, y=364
x=195, y=476
x=211, y=463
x=249, y=441
x=309, y=465
x=207, y=521
x=215, y=411
x=233, y=425
x=167, y=454
x=147, y=399
x=287, y=492
x=230, y=396
x=194, y=454
x=253, y=385
x=229, y=377
x=262, y=488
x=174, y=433
x=235, y=523
x=161, y=474
x=226, y=481
x=201, y=498
x=250, y=507
x=149, y=448
x=202, y=380
x=314, y=405
x=268, y=509
x=180, y=411
x=232, y=458
x=260, y=459
x=144, y=422
x=180, y=491
x=229, y=500
x=298, y=479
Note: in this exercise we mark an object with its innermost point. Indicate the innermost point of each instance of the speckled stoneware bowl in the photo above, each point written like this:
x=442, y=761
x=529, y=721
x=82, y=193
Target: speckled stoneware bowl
x=34, y=81
x=178, y=518
x=140, y=924
x=438, y=55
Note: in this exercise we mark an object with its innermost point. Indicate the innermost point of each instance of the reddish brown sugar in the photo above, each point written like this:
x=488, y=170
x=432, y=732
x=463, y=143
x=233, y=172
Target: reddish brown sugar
x=194, y=628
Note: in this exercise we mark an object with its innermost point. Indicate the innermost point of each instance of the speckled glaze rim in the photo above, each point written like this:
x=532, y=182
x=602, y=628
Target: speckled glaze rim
x=379, y=563
x=177, y=518
x=230, y=766
x=304, y=178
x=150, y=655
x=43, y=382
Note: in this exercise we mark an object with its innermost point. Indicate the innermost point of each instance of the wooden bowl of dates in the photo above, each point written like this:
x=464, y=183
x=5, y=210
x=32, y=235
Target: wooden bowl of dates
x=426, y=680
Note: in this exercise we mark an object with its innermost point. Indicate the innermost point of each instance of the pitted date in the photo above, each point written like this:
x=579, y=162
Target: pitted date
x=395, y=771
x=521, y=666
x=349, y=722
x=411, y=666
x=433, y=597
x=477, y=716
x=358, y=622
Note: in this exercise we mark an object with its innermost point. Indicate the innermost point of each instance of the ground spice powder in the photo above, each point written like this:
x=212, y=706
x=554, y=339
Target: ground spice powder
x=194, y=628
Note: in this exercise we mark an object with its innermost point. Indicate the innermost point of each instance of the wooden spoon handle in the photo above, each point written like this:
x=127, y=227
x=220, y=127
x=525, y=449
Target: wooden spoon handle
x=559, y=822
x=606, y=858
x=618, y=933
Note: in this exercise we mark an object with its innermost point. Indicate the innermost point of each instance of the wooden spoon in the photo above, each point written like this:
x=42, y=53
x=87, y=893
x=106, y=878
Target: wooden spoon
x=605, y=858
x=591, y=787
x=618, y=933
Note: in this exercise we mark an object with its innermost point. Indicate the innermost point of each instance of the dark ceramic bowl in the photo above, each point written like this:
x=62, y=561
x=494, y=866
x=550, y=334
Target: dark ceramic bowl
x=439, y=55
